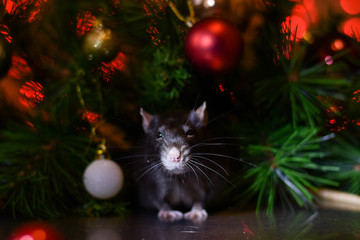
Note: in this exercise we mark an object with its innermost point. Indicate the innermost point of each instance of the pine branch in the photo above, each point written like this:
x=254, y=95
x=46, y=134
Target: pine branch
x=347, y=156
x=42, y=169
x=289, y=169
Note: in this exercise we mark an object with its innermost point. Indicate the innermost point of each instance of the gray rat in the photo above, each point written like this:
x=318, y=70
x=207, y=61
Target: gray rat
x=178, y=168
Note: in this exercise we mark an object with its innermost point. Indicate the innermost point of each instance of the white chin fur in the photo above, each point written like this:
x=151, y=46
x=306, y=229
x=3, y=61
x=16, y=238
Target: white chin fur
x=174, y=167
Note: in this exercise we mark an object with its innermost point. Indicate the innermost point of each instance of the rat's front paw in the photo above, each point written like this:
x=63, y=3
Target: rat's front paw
x=170, y=215
x=196, y=215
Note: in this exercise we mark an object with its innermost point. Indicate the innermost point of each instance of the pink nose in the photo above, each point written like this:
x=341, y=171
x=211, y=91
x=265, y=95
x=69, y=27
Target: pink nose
x=174, y=155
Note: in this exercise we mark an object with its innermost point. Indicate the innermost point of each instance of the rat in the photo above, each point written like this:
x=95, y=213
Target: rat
x=178, y=169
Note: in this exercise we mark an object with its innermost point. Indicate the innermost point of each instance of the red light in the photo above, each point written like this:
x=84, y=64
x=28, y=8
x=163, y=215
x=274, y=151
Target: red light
x=356, y=97
x=337, y=45
x=16, y=7
x=32, y=94
x=4, y=31
x=85, y=22
x=36, y=231
x=37, y=5
x=9, y=5
x=352, y=28
x=295, y=26
x=91, y=117
x=221, y=88
x=19, y=68
x=118, y=64
x=306, y=11
x=350, y=6
x=154, y=7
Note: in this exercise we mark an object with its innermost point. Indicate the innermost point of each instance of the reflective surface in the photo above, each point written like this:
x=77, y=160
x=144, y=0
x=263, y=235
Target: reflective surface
x=301, y=224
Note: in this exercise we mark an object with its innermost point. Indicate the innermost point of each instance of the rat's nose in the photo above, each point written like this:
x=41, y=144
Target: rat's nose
x=174, y=154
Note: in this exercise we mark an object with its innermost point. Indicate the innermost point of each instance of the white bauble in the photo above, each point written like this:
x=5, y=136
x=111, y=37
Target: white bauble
x=103, y=178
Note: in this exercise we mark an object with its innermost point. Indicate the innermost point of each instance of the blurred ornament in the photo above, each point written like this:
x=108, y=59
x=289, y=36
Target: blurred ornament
x=5, y=55
x=214, y=45
x=100, y=44
x=103, y=178
x=36, y=231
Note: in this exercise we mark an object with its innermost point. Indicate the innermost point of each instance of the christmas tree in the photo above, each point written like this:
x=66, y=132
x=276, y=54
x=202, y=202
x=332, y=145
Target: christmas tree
x=282, y=76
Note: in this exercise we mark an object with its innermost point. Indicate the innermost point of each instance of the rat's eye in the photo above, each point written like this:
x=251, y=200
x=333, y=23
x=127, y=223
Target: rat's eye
x=190, y=133
x=159, y=135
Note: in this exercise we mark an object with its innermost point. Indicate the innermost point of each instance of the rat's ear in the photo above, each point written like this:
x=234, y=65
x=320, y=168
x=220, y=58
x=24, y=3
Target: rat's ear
x=146, y=119
x=201, y=113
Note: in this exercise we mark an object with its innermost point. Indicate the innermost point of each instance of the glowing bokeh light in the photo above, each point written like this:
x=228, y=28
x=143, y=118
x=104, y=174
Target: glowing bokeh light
x=209, y=3
x=350, y=6
x=36, y=231
x=329, y=60
x=295, y=26
x=352, y=28
x=306, y=11
x=337, y=45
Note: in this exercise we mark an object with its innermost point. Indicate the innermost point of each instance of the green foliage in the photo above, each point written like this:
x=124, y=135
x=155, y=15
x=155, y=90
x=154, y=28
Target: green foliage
x=300, y=90
x=165, y=76
x=289, y=169
x=346, y=155
x=41, y=168
x=98, y=208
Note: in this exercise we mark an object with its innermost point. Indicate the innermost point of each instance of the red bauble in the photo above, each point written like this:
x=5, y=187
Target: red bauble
x=214, y=45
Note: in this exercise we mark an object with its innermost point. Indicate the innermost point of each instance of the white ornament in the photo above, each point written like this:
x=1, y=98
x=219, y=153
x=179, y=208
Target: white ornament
x=103, y=178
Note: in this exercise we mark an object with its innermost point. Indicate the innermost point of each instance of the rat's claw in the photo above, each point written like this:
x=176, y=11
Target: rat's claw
x=170, y=215
x=196, y=215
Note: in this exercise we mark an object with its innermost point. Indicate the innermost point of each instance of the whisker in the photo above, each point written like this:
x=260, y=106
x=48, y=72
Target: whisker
x=195, y=173
x=217, y=138
x=222, y=115
x=225, y=156
x=212, y=161
x=209, y=168
x=193, y=163
x=211, y=144
x=136, y=156
x=149, y=171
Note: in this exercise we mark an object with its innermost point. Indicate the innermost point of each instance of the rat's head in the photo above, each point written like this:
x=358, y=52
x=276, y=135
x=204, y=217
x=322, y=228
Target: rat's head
x=172, y=135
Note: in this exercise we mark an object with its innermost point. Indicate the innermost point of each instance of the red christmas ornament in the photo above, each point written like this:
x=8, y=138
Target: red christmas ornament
x=214, y=45
x=36, y=231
